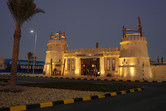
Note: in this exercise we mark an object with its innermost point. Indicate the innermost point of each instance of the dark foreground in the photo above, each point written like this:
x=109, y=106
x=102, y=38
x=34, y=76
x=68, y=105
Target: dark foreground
x=152, y=98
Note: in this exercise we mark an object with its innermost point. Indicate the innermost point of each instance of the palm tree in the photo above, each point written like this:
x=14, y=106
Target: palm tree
x=21, y=11
x=30, y=54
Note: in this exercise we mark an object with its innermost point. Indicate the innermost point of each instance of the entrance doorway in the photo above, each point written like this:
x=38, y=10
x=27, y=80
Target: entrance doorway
x=90, y=66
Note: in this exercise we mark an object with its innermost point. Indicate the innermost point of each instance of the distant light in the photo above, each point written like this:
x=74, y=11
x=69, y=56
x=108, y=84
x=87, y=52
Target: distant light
x=32, y=31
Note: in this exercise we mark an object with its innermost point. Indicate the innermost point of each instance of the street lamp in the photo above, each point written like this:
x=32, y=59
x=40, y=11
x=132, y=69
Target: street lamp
x=32, y=31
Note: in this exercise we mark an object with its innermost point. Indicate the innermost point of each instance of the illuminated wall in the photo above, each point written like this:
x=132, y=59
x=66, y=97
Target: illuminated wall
x=78, y=66
x=102, y=66
x=101, y=53
x=134, y=60
x=55, y=52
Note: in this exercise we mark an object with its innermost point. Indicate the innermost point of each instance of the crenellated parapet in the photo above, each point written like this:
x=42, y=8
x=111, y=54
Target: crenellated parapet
x=134, y=46
x=56, y=41
x=57, y=45
x=92, y=50
x=133, y=38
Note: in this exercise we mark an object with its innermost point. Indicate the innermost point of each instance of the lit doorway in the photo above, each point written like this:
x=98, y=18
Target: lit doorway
x=90, y=66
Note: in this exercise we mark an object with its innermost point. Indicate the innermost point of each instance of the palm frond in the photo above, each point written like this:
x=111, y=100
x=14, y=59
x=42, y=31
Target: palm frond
x=23, y=10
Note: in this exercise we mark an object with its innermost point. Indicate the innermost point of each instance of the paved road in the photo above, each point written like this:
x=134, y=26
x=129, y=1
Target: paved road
x=153, y=98
x=149, y=100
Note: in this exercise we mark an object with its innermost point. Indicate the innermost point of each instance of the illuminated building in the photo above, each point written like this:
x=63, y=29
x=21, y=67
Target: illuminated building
x=130, y=62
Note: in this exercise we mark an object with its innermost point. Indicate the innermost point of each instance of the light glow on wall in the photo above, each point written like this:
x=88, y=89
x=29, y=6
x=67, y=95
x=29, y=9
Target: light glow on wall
x=120, y=71
x=48, y=70
x=132, y=71
x=77, y=66
x=125, y=71
x=132, y=63
x=77, y=71
x=102, y=66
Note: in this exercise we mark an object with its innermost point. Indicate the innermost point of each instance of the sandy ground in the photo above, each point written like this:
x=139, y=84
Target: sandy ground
x=32, y=95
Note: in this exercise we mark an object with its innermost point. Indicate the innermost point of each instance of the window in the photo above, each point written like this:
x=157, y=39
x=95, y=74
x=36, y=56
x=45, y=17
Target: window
x=108, y=64
x=113, y=64
x=72, y=64
x=68, y=64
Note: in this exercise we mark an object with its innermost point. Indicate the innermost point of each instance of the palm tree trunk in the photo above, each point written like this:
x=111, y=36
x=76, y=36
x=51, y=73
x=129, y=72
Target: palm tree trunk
x=17, y=36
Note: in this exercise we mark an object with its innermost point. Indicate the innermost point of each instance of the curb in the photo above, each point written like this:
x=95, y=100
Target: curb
x=82, y=78
x=99, y=79
x=69, y=101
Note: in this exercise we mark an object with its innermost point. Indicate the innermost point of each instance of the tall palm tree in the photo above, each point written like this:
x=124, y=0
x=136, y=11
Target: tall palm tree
x=21, y=11
x=30, y=54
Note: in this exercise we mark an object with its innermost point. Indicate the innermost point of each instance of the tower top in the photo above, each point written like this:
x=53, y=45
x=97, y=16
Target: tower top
x=59, y=35
x=132, y=32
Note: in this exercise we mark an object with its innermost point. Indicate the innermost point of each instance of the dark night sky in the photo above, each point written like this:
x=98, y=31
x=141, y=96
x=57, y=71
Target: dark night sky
x=85, y=23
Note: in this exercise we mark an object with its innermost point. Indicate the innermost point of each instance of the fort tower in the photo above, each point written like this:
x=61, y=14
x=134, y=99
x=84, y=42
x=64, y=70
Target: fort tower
x=134, y=59
x=56, y=47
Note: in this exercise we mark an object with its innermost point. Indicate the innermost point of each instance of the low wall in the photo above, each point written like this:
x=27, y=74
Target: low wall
x=159, y=71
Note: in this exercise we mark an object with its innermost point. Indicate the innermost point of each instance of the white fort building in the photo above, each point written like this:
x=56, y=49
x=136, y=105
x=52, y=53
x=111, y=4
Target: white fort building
x=131, y=61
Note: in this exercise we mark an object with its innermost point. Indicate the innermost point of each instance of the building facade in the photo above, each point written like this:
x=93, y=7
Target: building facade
x=131, y=61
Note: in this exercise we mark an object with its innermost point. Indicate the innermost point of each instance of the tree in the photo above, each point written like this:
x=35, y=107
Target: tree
x=21, y=11
x=30, y=54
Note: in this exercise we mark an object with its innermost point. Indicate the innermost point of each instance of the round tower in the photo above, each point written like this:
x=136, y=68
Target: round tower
x=54, y=61
x=134, y=61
